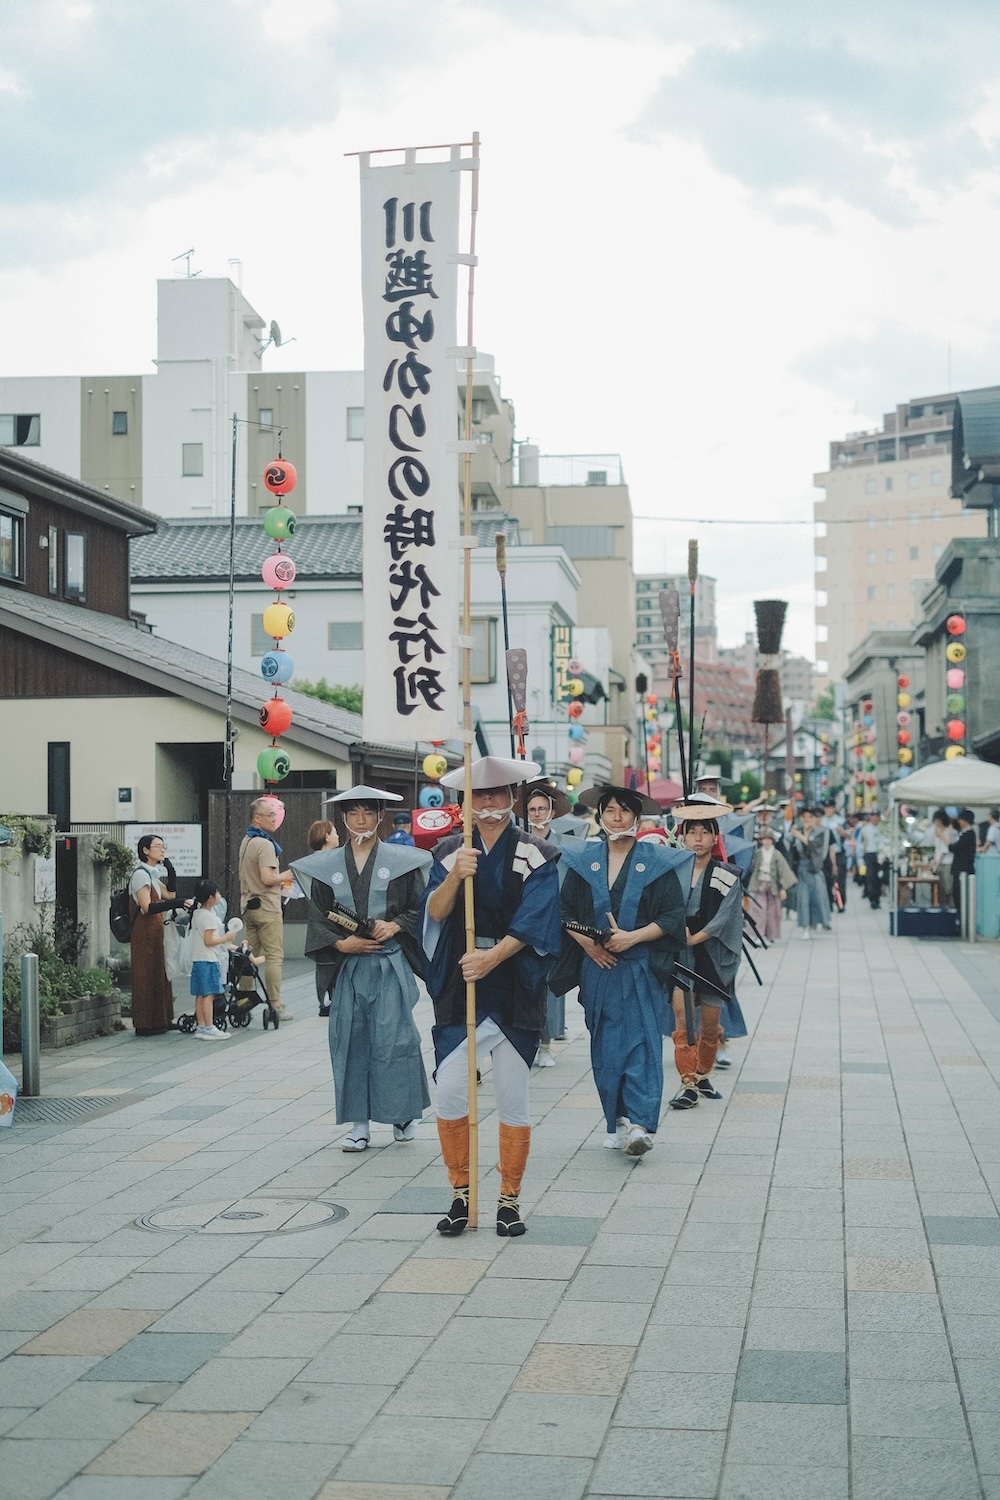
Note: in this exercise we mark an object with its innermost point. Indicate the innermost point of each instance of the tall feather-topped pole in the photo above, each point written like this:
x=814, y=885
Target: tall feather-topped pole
x=670, y=613
x=767, y=707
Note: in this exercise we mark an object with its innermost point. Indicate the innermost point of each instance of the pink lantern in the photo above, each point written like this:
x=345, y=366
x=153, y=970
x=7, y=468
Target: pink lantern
x=955, y=677
x=278, y=571
x=903, y=719
x=576, y=755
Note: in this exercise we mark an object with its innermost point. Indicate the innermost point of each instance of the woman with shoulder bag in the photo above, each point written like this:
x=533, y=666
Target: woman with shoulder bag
x=148, y=898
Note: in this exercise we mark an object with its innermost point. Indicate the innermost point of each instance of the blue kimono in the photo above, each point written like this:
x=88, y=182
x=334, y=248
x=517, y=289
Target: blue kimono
x=627, y=1008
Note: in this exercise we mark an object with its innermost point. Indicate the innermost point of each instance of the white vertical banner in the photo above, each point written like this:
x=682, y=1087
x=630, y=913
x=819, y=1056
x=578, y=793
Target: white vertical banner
x=409, y=273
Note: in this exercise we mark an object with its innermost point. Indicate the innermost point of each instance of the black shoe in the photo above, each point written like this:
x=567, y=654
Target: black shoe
x=457, y=1218
x=707, y=1089
x=324, y=1010
x=509, y=1217
x=686, y=1099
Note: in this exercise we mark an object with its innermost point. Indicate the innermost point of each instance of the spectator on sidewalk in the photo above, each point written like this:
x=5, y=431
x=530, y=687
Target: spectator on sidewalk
x=149, y=897
x=871, y=843
x=261, y=879
x=991, y=837
x=771, y=878
x=401, y=830
x=963, y=854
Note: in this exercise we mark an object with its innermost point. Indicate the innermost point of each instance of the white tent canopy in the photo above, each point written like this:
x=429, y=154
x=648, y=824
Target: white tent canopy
x=963, y=782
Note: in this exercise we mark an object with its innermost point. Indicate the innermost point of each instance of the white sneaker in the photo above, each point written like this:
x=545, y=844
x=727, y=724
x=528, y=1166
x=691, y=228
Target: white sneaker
x=210, y=1034
x=617, y=1141
x=544, y=1058
x=805, y=935
x=639, y=1141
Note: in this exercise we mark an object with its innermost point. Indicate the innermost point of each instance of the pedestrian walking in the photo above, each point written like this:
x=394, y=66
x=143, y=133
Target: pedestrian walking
x=813, y=842
x=378, y=1073
x=771, y=878
x=517, y=926
x=871, y=849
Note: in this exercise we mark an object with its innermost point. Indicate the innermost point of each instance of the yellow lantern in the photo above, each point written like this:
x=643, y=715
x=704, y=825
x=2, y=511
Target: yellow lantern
x=902, y=700
x=904, y=756
x=955, y=651
x=574, y=776
x=651, y=715
x=575, y=686
x=953, y=752
x=278, y=621
x=434, y=766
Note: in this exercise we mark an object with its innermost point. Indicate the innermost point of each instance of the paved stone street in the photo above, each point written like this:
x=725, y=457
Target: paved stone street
x=797, y=1294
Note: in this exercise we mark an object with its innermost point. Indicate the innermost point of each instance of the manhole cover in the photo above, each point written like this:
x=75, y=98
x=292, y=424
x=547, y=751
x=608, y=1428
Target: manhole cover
x=259, y=1215
x=51, y=1111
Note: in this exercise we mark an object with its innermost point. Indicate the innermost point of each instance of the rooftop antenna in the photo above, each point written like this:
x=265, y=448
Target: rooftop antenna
x=185, y=256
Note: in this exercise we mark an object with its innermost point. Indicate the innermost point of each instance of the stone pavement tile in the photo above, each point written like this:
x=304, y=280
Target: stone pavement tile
x=11, y=1416
x=957, y=1205
x=356, y=1259
x=258, y=1275
x=889, y=1274
x=405, y=1227
x=876, y=1167
x=724, y=1239
x=86, y=1274
x=338, y=1489
x=36, y=1468
x=596, y=1323
x=211, y=1311
x=368, y=1359
x=295, y=1335
x=30, y=1312
x=149, y=1289
x=488, y=1477
x=203, y=1254
x=537, y=1262
x=963, y=1231
x=711, y=1268
x=804, y=1226
x=268, y=1471
x=796, y=1328
x=810, y=1377
x=817, y=1289
x=171, y=1443
x=227, y=1385
x=425, y=1393
x=917, y=1468
x=788, y=1255
x=418, y=1313
x=651, y=1194
x=978, y=1262
x=651, y=1250
x=974, y=1337
x=626, y=1220
x=688, y=1401
x=614, y=1284
x=86, y=1411
x=890, y=1355
x=431, y=1275
x=980, y=1382
x=905, y=1312
x=695, y=1349
x=682, y=1305
x=576, y=1369
x=887, y=1243
x=33, y=1382
x=985, y=1431
x=782, y=1482
x=534, y=1422
x=328, y=1294
x=165, y=1151
x=158, y=1356
x=732, y=1208
x=906, y=1408
x=577, y=1204
x=88, y=1331
x=659, y=1462
x=118, y=1487
x=764, y=1433
x=868, y=1206
x=498, y=1298
x=509, y=1340
x=562, y=1230
x=427, y=1450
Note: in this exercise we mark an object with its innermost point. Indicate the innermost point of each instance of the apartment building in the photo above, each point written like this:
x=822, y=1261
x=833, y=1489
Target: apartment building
x=797, y=672
x=649, y=623
x=885, y=518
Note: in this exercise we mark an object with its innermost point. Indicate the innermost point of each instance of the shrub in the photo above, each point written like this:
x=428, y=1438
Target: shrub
x=59, y=979
x=119, y=860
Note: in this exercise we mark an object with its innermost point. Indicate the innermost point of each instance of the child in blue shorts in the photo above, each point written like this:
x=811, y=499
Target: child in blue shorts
x=207, y=936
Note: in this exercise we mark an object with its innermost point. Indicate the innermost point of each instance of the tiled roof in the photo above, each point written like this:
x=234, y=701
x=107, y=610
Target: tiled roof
x=323, y=547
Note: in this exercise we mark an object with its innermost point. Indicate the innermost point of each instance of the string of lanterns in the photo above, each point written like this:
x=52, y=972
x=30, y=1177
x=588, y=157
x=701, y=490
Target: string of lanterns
x=954, y=679
x=276, y=666
x=576, y=688
x=865, y=754
x=904, y=753
x=654, y=754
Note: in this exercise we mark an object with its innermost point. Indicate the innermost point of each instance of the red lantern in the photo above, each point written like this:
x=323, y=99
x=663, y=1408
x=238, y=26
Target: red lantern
x=956, y=729
x=903, y=736
x=280, y=476
x=275, y=716
x=870, y=781
x=575, y=709
x=652, y=699
x=868, y=706
x=955, y=625
x=903, y=681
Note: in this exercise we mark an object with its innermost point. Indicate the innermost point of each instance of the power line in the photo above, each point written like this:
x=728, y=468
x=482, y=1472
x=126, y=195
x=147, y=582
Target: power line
x=816, y=521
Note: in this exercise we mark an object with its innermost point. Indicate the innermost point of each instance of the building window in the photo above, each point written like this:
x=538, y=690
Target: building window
x=914, y=554
x=584, y=541
x=870, y=486
x=935, y=476
x=890, y=591
x=119, y=424
x=872, y=522
x=936, y=513
x=265, y=418
x=937, y=549
x=11, y=546
x=192, y=460
x=260, y=644
x=872, y=591
x=344, y=635
x=53, y=559
x=76, y=565
x=484, y=650
x=913, y=518
x=888, y=483
x=889, y=555
x=20, y=431
x=355, y=424
x=913, y=481
x=872, y=558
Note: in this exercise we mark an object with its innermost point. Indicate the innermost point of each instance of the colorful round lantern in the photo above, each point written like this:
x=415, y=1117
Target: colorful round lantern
x=576, y=755
x=868, y=720
x=278, y=571
x=904, y=756
x=577, y=732
x=902, y=681
x=431, y=796
x=904, y=771
x=574, y=776
x=859, y=750
x=575, y=665
x=954, y=752
x=575, y=687
x=955, y=625
x=869, y=736
x=955, y=703
x=955, y=651
x=273, y=764
x=280, y=476
x=955, y=678
x=869, y=781
x=956, y=729
x=650, y=715
x=276, y=666
x=902, y=700
x=278, y=621
x=902, y=719
x=575, y=709
x=434, y=767
x=652, y=699
x=276, y=716
x=279, y=523
x=903, y=736
x=868, y=706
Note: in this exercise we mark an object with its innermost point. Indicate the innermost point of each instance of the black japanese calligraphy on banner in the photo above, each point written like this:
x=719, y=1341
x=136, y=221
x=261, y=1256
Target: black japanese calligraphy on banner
x=409, y=272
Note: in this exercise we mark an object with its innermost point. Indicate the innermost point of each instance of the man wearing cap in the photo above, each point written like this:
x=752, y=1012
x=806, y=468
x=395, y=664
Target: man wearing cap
x=378, y=1072
x=401, y=830
x=516, y=892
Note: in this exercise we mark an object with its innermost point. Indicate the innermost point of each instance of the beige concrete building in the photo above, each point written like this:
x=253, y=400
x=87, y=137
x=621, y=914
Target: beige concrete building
x=649, y=621
x=885, y=518
x=797, y=672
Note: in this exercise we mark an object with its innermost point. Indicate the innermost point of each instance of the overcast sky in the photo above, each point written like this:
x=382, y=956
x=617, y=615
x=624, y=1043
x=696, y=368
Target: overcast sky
x=713, y=235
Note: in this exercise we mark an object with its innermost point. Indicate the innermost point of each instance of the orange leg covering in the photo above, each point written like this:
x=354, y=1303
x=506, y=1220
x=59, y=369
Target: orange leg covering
x=708, y=1039
x=685, y=1057
x=515, y=1141
x=454, y=1138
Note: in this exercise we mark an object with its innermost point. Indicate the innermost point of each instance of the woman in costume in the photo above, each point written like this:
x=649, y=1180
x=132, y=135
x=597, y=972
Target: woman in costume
x=637, y=890
x=715, y=947
x=378, y=1072
x=771, y=879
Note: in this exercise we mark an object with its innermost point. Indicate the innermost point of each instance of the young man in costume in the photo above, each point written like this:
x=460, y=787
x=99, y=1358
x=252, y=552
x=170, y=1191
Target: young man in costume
x=543, y=804
x=638, y=890
x=715, y=947
x=516, y=892
x=813, y=843
x=378, y=1072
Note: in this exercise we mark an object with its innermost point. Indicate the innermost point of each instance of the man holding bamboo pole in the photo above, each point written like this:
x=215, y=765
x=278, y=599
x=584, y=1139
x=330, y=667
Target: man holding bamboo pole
x=517, y=934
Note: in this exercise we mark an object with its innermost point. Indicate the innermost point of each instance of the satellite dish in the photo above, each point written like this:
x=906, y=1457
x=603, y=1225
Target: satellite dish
x=275, y=332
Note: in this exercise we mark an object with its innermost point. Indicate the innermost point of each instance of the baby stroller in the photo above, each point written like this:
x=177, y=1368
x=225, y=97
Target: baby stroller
x=244, y=989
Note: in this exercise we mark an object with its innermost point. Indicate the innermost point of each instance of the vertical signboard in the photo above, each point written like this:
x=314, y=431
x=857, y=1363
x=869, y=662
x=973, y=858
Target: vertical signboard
x=409, y=269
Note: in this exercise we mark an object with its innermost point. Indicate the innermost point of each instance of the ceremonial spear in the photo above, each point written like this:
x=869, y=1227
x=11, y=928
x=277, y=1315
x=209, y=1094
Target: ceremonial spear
x=670, y=613
x=692, y=580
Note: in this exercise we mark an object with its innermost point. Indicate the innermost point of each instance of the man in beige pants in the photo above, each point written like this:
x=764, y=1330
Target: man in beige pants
x=261, y=879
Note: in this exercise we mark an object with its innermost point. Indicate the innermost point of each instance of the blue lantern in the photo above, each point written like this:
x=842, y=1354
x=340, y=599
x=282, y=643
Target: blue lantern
x=431, y=796
x=868, y=720
x=577, y=732
x=276, y=666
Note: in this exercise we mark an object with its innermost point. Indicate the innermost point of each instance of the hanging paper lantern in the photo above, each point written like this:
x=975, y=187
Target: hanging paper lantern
x=955, y=677
x=278, y=571
x=574, y=776
x=955, y=625
x=280, y=476
x=278, y=805
x=279, y=523
x=904, y=771
x=956, y=729
x=869, y=781
x=273, y=764
x=575, y=666
x=955, y=703
x=868, y=706
x=869, y=736
x=955, y=651
x=577, y=732
x=903, y=736
x=652, y=699
x=902, y=700
x=904, y=756
x=858, y=750
x=953, y=752
x=869, y=720
x=575, y=709
x=276, y=716
x=575, y=687
x=434, y=767
x=572, y=797
x=903, y=719
x=276, y=666
x=278, y=621
x=431, y=796
x=902, y=681
x=576, y=755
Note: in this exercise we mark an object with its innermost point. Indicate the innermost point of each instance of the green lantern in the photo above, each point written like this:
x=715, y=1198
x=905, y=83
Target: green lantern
x=955, y=703
x=279, y=523
x=273, y=764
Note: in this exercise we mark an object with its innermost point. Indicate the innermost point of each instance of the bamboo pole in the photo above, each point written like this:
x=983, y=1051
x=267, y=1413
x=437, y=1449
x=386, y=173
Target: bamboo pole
x=500, y=542
x=692, y=580
x=470, y=908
